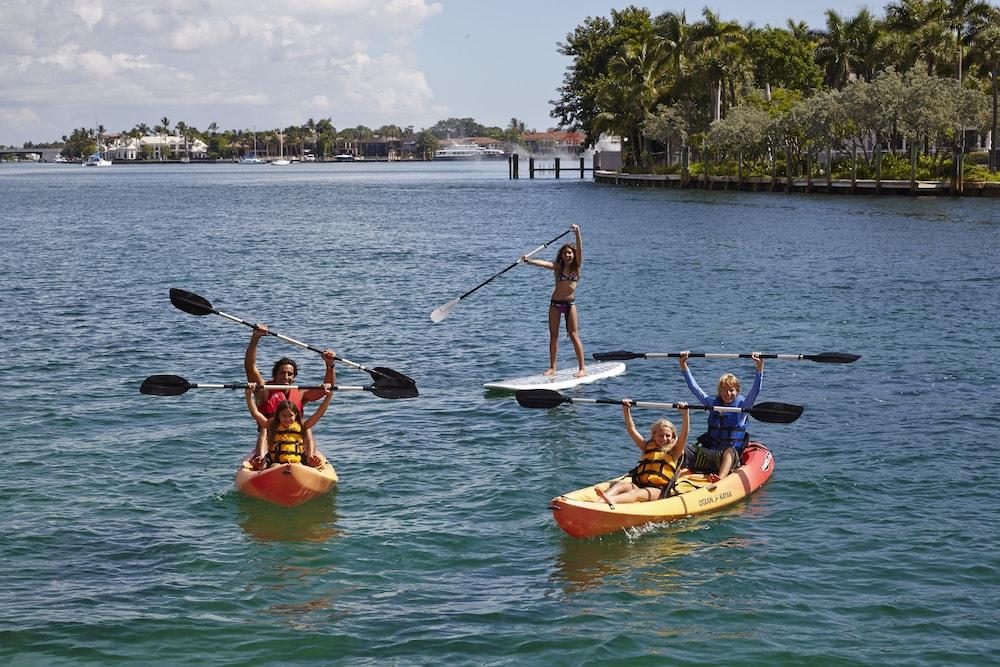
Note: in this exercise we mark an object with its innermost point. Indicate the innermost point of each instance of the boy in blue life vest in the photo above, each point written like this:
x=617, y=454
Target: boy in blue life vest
x=718, y=450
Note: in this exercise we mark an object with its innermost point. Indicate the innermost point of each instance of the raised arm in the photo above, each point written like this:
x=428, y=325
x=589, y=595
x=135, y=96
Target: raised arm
x=250, y=360
x=758, y=380
x=678, y=451
x=330, y=378
x=637, y=438
x=692, y=384
x=579, y=243
x=309, y=423
x=252, y=406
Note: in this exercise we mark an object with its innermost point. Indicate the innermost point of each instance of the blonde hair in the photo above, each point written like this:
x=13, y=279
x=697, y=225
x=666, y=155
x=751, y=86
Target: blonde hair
x=662, y=422
x=728, y=380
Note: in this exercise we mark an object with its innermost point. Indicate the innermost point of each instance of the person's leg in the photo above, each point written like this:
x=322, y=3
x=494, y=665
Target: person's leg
x=553, y=339
x=573, y=330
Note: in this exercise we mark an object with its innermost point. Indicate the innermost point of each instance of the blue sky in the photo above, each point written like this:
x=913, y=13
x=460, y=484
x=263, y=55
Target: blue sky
x=243, y=64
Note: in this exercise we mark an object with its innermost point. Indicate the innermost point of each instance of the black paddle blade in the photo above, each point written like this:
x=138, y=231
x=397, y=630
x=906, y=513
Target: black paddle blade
x=776, y=413
x=386, y=378
x=539, y=398
x=393, y=391
x=190, y=302
x=617, y=355
x=832, y=357
x=164, y=385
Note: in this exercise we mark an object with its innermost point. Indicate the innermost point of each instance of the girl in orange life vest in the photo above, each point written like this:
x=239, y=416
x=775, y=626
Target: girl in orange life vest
x=284, y=372
x=661, y=458
x=284, y=437
x=566, y=268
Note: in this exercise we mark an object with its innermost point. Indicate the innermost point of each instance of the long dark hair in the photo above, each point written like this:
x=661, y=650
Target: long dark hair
x=560, y=264
x=272, y=425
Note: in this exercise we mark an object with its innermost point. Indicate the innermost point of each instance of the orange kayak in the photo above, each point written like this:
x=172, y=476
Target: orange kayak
x=287, y=484
x=582, y=513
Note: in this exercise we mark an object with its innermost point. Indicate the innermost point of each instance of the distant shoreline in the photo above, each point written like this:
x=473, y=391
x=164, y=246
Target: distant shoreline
x=814, y=185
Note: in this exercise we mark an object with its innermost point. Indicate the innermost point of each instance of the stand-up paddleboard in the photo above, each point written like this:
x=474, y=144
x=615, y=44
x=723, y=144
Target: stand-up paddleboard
x=563, y=379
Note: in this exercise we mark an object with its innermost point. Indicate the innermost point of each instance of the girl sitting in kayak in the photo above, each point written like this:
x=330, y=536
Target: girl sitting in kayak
x=284, y=437
x=719, y=450
x=661, y=457
x=566, y=268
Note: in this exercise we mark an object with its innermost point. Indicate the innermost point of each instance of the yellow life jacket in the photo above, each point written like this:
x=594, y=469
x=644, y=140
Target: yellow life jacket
x=656, y=467
x=287, y=445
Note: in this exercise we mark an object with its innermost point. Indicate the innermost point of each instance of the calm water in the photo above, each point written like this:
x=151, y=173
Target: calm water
x=124, y=542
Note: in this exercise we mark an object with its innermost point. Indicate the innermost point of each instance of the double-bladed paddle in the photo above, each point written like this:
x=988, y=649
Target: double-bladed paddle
x=175, y=385
x=822, y=357
x=775, y=413
x=197, y=305
x=444, y=310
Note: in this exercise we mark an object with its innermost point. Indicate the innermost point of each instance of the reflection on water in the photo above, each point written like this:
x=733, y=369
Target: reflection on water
x=585, y=564
x=315, y=521
x=644, y=555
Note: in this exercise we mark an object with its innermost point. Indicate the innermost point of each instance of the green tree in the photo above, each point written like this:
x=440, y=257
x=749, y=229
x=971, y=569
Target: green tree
x=592, y=46
x=782, y=59
x=985, y=58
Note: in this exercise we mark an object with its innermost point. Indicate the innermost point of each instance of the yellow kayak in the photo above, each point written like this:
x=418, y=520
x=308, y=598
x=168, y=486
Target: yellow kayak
x=582, y=513
x=286, y=484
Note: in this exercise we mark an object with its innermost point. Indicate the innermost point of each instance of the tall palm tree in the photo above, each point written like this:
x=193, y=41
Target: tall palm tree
x=961, y=15
x=835, y=50
x=641, y=76
x=918, y=32
x=716, y=43
x=984, y=54
x=675, y=31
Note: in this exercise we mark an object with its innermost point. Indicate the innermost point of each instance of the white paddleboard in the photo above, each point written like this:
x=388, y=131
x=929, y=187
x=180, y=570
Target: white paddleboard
x=563, y=379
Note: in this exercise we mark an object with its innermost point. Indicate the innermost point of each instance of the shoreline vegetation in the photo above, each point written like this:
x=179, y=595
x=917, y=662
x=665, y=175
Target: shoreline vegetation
x=911, y=96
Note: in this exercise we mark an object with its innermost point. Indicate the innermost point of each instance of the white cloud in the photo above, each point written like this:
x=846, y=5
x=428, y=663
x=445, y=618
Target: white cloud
x=91, y=11
x=212, y=60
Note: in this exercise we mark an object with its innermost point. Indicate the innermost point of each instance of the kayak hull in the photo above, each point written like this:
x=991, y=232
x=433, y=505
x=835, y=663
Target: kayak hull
x=582, y=513
x=288, y=484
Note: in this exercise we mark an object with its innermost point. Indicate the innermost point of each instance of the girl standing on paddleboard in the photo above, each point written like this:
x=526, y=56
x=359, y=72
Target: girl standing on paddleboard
x=566, y=268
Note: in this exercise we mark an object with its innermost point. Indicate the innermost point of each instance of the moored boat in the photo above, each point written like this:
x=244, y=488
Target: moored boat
x=288, y=484
x=468, y=151
x=582, y=513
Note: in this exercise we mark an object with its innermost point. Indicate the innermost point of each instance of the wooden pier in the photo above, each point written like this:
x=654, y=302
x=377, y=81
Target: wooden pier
x=821, y=185
x=557, y=168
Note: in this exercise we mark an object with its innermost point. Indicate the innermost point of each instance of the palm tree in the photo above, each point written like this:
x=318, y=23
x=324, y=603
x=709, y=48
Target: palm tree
x=675, y=31
x=985, y=55
x=961, y=15
x=642, y=75
x=835, y=50
x=918, y=32
x=717, y=44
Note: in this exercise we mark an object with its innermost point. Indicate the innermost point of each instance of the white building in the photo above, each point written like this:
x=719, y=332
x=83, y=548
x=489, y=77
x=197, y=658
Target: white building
x=159, y=146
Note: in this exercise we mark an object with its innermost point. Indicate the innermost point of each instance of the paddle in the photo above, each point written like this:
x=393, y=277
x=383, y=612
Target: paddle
x=197, y=305
x=444, y=310
x=175, y=385
x=775, y=413
x=823, y=357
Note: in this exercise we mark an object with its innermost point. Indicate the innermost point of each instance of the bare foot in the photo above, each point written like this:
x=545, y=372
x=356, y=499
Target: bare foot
x=581, y=373
x=550, y=372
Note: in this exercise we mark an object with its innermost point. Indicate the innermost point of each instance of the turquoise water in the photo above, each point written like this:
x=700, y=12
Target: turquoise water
x=124, y=542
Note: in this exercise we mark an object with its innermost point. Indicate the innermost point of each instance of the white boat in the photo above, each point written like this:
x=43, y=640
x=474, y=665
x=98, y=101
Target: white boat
x=344, y=157
x=281, y=161
x=96, y=160
x=468, y=152
x=251, y=158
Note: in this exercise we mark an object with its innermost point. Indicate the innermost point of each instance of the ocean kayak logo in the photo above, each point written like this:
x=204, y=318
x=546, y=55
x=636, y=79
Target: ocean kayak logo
x=711, y=500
